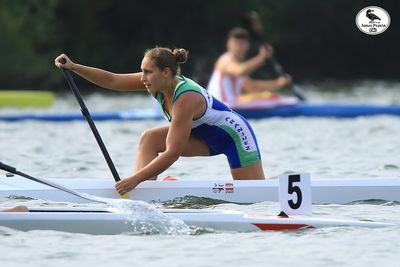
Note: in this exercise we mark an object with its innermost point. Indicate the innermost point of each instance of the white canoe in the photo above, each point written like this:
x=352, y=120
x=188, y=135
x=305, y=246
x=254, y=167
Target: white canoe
x=109, y=221
x=338, y=191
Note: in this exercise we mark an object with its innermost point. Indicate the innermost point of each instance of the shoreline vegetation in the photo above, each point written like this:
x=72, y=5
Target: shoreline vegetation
x=315, y=41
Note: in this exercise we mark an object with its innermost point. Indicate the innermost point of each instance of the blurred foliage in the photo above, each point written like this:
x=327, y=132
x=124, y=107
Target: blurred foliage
x=313, y=39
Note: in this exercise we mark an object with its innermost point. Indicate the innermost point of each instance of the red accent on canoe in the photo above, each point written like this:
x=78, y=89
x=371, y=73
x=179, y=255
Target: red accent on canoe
x=270, y=227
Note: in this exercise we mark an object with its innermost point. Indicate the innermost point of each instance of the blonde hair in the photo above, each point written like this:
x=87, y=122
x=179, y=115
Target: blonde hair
x=166, y=58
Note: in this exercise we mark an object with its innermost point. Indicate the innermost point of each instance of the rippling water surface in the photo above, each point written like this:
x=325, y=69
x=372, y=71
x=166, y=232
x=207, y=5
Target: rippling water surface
x=326, y=147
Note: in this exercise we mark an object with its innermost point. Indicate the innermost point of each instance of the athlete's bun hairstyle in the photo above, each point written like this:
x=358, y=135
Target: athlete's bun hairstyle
x=166, y=58
x=180, y=54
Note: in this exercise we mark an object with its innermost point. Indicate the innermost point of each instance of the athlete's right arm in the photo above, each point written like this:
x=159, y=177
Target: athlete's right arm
x=105, y=79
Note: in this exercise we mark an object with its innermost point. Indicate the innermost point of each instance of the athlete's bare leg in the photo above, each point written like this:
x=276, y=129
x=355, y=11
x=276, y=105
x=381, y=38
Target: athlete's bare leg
x=152, y=142
x=252, y=172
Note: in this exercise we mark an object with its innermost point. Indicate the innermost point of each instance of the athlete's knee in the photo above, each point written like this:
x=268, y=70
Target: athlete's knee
x=151, y=139
x=146, y=137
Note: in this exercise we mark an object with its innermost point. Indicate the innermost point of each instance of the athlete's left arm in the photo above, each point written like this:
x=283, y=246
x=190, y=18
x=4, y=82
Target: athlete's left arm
x=183, y=112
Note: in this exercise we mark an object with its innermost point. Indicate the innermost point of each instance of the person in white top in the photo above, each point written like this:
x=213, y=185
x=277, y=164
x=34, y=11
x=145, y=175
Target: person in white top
x=232, y=72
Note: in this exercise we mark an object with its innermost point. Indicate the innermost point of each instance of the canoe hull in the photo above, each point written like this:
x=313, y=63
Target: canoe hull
x=336, y=191
x=108, y=223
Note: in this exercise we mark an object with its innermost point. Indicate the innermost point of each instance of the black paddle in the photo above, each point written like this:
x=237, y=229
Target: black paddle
x=13, y=170
x=86, y=114
x=252, y=22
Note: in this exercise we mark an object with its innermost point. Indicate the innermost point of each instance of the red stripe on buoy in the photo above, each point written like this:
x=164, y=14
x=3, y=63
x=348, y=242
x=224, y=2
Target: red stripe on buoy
x=271, y=227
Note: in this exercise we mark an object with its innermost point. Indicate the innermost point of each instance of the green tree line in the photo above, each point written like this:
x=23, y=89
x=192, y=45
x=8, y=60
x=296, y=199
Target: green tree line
x=313, y=39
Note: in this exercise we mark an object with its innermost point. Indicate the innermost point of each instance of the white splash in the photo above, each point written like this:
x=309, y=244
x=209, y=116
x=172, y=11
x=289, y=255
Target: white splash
x=147, y=219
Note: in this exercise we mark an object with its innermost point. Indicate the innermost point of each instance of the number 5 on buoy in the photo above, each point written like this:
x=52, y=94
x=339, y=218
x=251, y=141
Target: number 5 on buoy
x=295, y=194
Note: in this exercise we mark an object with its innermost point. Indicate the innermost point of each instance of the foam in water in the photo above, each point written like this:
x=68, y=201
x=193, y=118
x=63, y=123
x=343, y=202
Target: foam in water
x=147, y=219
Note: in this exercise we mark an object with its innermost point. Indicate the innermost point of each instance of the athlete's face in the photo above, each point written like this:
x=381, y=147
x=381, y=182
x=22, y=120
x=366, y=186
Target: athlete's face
x=152, y=77
x=238, y=47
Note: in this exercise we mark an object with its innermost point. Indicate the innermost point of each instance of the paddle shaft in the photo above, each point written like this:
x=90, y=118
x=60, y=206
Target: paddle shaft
x=253, y=24
x=86, y=114
x=13, y=170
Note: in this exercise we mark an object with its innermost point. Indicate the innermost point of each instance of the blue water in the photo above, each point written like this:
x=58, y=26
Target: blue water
x=325, y=147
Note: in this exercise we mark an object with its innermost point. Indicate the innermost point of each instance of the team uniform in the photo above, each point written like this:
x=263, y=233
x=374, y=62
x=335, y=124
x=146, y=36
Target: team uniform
x=225, y=87
x=222, y=129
